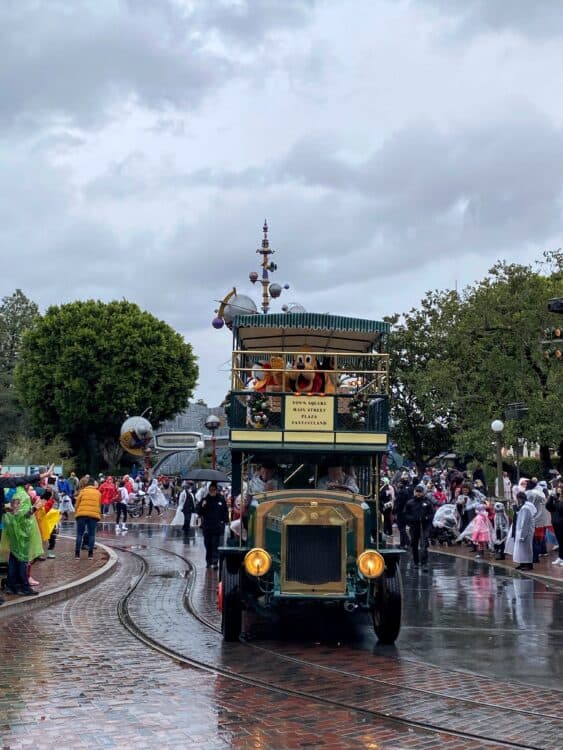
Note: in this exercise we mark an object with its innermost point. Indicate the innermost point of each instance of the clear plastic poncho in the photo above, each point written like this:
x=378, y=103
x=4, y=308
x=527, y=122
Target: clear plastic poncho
x=446, y=517
x=21, y=535
x=467, y=533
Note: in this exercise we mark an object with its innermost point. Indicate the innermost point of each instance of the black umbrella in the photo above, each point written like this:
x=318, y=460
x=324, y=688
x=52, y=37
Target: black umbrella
x=207, y=475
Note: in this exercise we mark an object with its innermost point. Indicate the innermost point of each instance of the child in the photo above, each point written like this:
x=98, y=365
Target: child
x=65, y=505
x=500, y=531
x=481, y=531
x=18, y=527
x=439, y=495
x=47, y=518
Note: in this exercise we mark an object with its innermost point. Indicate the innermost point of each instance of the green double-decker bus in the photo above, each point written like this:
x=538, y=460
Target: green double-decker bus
x=309, y=401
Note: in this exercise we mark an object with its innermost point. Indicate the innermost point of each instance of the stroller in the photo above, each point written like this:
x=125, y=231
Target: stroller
x=136, y=504
x=445, y=525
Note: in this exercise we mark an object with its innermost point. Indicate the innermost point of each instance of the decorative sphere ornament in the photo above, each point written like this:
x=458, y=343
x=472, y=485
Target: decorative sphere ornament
x=285, y=308
x=218, y=323
x=135, y=435
x=286, y=286
x=295, y=307
x=240, y=304
x=253, y=276
x=275, y=290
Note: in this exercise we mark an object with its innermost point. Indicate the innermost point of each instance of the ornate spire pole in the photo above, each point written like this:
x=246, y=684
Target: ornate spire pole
x=265, y=251
x=239, y=304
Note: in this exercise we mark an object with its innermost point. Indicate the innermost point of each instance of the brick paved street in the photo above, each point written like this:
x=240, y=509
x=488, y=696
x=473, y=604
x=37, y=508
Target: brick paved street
x=72, y=676
x=64, y=569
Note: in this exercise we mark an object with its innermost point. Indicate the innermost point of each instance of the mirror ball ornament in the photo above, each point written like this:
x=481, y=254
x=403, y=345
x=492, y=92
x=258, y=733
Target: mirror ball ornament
x=275, y=290
x=253, y=276
x=135, y=435
x=218, y=323
x=293, y=307
x=240, y=304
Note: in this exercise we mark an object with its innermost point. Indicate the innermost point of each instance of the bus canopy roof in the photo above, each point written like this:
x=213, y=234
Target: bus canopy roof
x=320, y=331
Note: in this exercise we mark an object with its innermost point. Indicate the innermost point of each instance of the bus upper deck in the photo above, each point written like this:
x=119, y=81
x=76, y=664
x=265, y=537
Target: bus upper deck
x=312, y=382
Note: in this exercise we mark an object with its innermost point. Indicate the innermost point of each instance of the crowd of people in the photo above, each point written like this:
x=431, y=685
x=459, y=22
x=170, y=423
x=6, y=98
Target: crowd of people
x=33, y=506
x=439, y=505
x=527, y=524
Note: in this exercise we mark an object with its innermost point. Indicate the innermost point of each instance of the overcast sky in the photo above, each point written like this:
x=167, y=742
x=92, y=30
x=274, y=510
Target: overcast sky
x=394, y=147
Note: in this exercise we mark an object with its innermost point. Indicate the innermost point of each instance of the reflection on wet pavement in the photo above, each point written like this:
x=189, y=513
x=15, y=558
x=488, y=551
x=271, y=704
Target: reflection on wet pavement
x=470, y=616
x=461, y=614
x=77, y=679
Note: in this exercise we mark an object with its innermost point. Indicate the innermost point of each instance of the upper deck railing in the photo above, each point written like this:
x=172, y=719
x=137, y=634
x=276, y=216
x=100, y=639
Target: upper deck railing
x=308, y=397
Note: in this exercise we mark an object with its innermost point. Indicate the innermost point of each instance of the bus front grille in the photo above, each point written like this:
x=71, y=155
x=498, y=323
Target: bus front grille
x=313, y=555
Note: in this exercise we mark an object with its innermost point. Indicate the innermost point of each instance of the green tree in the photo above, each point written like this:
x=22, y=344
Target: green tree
x=419, y=362
x=85, y=365
x=17, y=315
x=22, y=449
x=458, y=361
x=499, y=358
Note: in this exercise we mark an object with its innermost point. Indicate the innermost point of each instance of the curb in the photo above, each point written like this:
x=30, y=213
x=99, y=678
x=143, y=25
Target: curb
x=540, y=577
x=62, y=593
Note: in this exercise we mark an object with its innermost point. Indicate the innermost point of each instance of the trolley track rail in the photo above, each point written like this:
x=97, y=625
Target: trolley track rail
x=211, y=666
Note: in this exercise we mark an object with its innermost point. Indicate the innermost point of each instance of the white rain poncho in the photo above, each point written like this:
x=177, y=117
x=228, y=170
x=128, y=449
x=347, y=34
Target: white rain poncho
x=156, y=495
x=446, y=517
x=524, y=535
x=500, y=525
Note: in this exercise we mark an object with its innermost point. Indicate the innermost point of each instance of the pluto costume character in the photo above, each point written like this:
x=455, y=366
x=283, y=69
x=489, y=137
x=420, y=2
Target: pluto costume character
x=310, y=374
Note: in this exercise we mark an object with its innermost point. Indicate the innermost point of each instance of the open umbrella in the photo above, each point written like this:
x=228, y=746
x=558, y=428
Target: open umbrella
x=207, y=475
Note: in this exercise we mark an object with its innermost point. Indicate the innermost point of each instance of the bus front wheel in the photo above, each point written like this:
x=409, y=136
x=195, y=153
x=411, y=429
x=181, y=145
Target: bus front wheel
x=386, y=612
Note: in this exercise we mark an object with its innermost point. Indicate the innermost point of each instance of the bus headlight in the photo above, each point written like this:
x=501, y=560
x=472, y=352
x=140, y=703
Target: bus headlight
x=371, y=564
x=257, y=562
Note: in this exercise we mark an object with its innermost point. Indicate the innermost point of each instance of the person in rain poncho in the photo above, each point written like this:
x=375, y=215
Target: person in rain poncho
x=186, y=507
x=21, y=533
x=467, y=501
x=481, y=534
x=523, y=553
x=157, y=498
x=500, y=531
x=479, y=531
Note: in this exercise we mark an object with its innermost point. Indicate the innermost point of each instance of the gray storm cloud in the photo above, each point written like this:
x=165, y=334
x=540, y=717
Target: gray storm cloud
x=539, y=18
x=143, y=144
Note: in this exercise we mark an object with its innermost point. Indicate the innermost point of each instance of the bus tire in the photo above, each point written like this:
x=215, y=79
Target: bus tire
x=386, y=613
x=231, y=610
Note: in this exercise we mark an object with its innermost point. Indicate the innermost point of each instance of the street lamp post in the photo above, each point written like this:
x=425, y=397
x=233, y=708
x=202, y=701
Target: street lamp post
x=147, y=462
x=212, y=423
x=200, y=445
x=497, y=426
x=519, y=451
